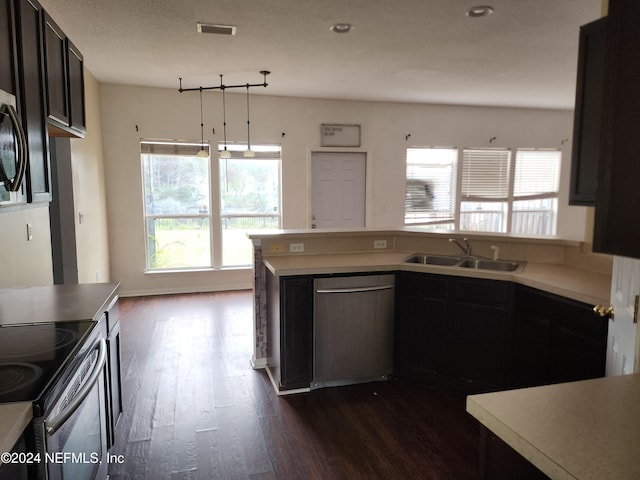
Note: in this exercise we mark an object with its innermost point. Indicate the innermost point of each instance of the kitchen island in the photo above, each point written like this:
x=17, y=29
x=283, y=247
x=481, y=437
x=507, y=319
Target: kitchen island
x=579, y=430
x=551, y=275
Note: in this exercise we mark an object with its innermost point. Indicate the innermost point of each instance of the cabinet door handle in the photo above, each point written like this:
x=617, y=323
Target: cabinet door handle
x=605, y=312
x=635, y=309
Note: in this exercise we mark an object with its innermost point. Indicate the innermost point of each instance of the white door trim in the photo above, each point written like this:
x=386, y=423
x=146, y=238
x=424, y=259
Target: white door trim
x=368, y=179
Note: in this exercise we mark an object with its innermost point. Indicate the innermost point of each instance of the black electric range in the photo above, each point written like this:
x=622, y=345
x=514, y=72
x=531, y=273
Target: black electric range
x=33, y=357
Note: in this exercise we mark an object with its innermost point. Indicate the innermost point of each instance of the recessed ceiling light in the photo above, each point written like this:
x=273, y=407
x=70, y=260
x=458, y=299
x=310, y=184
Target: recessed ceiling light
x=480, y=11
x=341, y=28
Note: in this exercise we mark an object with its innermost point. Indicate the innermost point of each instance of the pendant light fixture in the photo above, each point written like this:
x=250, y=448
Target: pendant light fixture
x=248, y=153
x=202, y=153
x=225, y=153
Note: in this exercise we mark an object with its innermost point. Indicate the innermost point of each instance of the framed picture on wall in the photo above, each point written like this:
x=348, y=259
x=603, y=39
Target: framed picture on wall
x=333, y=135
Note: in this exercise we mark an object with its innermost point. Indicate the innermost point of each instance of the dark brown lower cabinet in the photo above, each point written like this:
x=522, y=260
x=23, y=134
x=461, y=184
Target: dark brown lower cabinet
x=421, y=309
x=290, y=330
x=15, y=470
x=475, y=335
x=555, y=339
x=452, y=331
x=498, y=461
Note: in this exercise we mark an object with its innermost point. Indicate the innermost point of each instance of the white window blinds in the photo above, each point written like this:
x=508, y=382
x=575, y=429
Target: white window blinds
x=537, y=172
x=168, y=148
x=430, y=187
x=485, y=174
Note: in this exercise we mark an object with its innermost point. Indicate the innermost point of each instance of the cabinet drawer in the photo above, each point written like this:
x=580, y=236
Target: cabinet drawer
x=481, y=292
x=422, y=285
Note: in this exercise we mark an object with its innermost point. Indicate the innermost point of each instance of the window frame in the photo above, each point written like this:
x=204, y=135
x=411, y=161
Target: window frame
x=214, y=215
x=179, y=146
x=236, y=150
x=508, y=200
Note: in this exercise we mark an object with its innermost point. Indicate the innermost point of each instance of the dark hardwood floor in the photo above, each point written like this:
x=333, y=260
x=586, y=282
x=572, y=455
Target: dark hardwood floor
x=194, y=408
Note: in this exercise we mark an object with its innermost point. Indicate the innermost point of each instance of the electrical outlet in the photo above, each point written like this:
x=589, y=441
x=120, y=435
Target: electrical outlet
x=296, y=247
x=379, y=244
x=276, y=248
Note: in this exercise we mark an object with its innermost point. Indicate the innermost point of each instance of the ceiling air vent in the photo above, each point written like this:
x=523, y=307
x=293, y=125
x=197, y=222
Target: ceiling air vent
x=217, y=29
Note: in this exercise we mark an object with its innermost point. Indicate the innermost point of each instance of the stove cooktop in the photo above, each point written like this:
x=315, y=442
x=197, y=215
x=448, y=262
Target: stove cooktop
x=32, y=354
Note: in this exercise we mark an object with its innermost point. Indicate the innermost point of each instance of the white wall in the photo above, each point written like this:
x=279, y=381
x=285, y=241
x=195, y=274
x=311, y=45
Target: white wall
x=131, y=113
x=92, y=243
x=25, y=263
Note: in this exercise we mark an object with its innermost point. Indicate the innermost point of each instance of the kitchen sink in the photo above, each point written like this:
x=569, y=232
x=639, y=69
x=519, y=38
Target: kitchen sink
x=444, y=260
x=482, y=264
x=464, y=262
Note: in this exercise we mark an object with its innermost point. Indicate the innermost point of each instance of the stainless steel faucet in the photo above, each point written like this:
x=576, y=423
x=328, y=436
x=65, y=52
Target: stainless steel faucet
x=466, y=248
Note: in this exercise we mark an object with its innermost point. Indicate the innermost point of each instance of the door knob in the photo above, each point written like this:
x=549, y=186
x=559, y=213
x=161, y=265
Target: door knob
x=605, y=312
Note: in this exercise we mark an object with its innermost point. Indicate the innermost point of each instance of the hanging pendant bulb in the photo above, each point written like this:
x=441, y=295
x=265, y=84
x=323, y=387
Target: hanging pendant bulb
x=202, y=153
x=248, y=153
x=225, y=153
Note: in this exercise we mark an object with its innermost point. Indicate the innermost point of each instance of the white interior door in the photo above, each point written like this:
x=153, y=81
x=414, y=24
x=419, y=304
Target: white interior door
x=622, y=343
x=338, y=189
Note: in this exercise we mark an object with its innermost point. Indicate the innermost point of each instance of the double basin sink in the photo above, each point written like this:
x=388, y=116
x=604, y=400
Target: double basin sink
x=465, y=262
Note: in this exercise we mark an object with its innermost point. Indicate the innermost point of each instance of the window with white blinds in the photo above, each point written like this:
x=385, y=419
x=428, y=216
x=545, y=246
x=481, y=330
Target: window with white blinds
x=537, y=173
x=500, y=190
x=430, y=186
x=485, y=174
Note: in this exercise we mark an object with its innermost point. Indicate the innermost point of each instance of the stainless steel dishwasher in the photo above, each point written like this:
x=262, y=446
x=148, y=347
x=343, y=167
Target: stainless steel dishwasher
x=353, y=329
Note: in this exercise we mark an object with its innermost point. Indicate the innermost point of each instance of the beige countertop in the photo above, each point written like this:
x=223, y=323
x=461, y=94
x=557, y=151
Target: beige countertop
x=14, y=418
x=582, y=285
x=579, y=430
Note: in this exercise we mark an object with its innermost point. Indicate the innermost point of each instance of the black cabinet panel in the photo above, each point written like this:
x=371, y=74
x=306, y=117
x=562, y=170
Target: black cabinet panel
x=618, y=196
x=290, y=330
x=55, y=54
x=555, y=339
x=32, y=98
x=420, y=314
x=475, y=335
x=75, y=63
x=498, y=461
x=452, y=331
x=482, y=292
x=477, y=343
x=296, y=336
x=7, y=48
x=587, y=123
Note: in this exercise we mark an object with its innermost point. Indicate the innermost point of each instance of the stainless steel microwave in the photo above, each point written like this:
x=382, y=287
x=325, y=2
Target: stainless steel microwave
x=13, y=153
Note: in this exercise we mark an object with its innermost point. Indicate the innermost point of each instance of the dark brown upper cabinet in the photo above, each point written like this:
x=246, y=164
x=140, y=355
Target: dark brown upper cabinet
x=32, y=97
x=7, y=48
x=75, y=62
x=587, y=123
x=64, y=82
x=616, y=229
x=55, y=54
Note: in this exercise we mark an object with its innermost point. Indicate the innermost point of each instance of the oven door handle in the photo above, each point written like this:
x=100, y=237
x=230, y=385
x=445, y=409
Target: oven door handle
x=57, y=422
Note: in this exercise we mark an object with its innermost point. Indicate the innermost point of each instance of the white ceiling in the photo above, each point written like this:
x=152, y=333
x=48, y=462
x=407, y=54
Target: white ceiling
x=417, y=51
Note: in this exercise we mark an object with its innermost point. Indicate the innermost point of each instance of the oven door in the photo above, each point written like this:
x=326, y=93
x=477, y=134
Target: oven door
x=75, y=432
